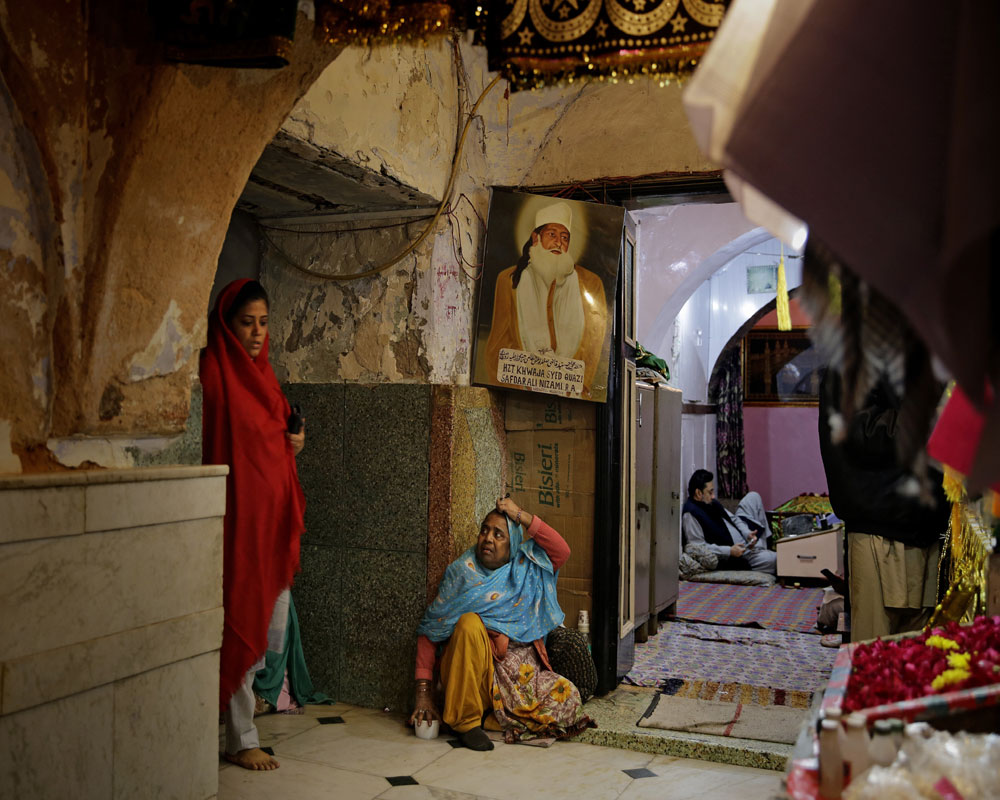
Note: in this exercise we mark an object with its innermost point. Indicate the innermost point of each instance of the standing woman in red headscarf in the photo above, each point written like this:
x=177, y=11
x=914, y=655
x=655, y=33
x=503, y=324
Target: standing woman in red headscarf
x=245, y=425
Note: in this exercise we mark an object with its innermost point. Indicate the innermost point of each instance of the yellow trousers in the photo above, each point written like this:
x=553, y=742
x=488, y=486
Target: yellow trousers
x=467, y=674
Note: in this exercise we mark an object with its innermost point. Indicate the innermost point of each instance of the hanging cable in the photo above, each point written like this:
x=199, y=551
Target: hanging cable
x=445, y=199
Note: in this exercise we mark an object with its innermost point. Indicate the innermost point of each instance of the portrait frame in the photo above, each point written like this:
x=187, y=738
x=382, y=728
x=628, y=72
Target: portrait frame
x=501, y=357
x=780, y=368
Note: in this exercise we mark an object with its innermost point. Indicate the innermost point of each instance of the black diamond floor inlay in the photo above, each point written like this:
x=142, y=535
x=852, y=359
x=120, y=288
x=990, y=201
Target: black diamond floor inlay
x=330, y=720
x=268, y=750
x=403, y=780
x=639, y=773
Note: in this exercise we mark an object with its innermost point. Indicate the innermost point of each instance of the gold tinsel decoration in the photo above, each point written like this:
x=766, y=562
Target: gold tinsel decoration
x=363, y=22
x=971, y=543
x=781, y=300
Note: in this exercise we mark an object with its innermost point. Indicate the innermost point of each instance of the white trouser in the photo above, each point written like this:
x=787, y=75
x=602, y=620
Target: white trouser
x=241, y=733
x=759, y=557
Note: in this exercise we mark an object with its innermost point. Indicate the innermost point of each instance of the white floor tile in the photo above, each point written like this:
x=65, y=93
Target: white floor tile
x=684, y=778
x=516, y=771
x=275, y=728
x=378, y=745
x=298, y=780
x=426, y=793
x=353, y=760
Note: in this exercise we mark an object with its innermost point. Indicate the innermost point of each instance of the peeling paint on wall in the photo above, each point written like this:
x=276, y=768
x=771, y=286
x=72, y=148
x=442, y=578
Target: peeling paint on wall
x=369, y=330
x=107, y=452
x=447, y=299
x=8, y=461
x=169, y=349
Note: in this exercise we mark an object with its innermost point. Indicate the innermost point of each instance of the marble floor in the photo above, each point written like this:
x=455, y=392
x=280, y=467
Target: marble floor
x=362, y=753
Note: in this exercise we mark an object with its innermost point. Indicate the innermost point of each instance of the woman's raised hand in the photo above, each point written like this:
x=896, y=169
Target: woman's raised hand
x=507, y=506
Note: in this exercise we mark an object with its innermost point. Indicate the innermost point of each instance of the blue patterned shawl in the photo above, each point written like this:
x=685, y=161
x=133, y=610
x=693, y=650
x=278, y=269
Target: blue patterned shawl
x=518, y=599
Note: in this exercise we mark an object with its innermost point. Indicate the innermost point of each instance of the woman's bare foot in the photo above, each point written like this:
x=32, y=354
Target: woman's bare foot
x=254, y=758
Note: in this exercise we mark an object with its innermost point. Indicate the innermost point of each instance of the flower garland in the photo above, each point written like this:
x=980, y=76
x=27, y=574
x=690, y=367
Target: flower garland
x=944, y=659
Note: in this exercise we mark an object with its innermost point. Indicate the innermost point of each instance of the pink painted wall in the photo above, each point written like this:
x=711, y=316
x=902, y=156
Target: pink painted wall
x=782, y=452
x=796, y=314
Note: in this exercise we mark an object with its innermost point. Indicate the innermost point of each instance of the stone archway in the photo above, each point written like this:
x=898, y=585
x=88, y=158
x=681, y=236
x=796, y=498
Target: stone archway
x=121, y=173
x=737, y=338
x=695, y=276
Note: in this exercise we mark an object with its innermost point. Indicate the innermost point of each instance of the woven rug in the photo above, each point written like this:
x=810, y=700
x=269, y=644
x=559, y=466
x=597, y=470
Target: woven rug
x=768, y=723
x=773, y=607
x=735, y=693
x=691, y=651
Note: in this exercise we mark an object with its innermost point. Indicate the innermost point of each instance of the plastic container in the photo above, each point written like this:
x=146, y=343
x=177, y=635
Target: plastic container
x=831, y=761
x=583, y=626
x=857, y=744
x=427, y=729
x=883, y=748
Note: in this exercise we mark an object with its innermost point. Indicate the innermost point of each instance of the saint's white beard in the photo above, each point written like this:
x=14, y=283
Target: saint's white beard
x=550, y=266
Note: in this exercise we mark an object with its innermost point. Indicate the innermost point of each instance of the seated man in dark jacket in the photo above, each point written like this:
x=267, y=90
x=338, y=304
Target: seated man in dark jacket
x=740, y=539
x=893, y=538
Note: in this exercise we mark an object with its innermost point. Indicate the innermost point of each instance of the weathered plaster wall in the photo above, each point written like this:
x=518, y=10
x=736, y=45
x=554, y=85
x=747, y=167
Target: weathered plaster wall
x=118, y=173
x=395, y=110
x=240, y=256
x=373, y=330
x=619, y=129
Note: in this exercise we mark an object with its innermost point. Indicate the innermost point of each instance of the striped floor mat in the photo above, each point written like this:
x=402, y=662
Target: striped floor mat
x=696, y=652
x=772, y=607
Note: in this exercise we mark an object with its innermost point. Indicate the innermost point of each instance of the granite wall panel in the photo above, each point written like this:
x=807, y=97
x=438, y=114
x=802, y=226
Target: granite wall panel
x=318, y=600
x=386, y=441
x=383, y=603
x=321, y=463
x=361, y=591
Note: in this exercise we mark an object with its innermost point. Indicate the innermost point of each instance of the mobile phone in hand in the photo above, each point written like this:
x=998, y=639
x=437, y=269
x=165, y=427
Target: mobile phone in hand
x=295, y=422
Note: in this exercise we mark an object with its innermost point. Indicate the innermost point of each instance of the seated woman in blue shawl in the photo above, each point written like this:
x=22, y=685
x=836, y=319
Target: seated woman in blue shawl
x=495, y=605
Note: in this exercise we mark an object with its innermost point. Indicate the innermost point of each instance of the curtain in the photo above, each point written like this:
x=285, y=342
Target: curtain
x=727, y=393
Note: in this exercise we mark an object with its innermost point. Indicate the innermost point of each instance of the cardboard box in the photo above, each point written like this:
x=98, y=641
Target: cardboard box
x=549, y=465
x=527, y=412
x=579, y=535
x=552, y=504
x=575, y=594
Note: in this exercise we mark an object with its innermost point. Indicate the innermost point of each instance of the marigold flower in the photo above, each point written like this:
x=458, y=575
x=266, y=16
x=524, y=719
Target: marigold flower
x=959, y=660
x=941, y=643
x=948, y=678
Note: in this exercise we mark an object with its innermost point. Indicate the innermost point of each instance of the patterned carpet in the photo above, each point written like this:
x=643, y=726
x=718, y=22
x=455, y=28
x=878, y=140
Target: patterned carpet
x=783, y=660
x=772, y=607
x=735, y=693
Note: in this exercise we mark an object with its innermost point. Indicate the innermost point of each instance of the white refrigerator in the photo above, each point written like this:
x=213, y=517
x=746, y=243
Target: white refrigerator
x=658, y=494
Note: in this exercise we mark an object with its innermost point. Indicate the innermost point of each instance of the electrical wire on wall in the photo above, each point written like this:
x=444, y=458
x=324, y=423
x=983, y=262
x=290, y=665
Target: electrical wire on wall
x=443, y=208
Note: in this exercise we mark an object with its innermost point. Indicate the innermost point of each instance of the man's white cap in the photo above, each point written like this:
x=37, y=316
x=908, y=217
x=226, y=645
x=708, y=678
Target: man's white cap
x=560, y=213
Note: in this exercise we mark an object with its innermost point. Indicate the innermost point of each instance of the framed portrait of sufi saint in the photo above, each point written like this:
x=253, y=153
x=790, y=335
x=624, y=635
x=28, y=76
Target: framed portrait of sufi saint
x=547, y=295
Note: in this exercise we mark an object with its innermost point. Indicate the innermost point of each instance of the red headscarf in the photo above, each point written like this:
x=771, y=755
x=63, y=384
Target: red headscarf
x=244, y=423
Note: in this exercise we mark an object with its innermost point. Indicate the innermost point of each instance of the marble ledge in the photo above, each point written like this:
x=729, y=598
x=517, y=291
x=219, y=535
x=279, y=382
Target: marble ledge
x=37, y=512
x=64, y=671
x=96, y=476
